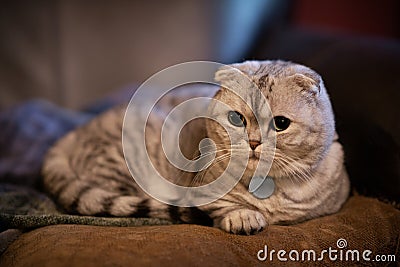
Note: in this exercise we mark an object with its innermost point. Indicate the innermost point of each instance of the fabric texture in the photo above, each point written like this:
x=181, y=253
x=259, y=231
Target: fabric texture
x=25, y=208
x=364, y=223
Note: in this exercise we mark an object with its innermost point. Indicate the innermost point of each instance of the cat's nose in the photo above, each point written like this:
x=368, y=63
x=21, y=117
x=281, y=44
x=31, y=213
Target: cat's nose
x=254, y=143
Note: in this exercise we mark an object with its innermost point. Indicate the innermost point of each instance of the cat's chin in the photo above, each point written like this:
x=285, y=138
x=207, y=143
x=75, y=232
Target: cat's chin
x=254, y=158
x=252, y=165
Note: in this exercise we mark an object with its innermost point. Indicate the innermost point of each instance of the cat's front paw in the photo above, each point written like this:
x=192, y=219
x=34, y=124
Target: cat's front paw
x=243, y=221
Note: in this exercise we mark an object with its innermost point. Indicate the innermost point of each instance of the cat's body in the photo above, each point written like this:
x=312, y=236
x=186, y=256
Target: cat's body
x=87, y=174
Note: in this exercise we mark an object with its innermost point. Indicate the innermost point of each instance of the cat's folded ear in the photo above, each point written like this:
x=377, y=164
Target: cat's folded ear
x=226, y=73
x=308, y=82
x=232, y=78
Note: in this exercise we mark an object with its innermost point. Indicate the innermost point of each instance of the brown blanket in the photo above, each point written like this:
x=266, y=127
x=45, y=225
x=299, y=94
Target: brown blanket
x=364, y=223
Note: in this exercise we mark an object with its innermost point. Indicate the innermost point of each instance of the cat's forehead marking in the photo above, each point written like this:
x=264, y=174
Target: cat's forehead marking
x=262, y=81
x=266, y=74
x=265, y=83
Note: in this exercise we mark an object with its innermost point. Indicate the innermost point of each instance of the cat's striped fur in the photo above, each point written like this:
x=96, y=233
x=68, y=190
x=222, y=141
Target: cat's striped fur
x=87, y=174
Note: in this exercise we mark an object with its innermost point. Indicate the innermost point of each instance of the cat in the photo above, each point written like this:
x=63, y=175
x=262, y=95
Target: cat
x=87, y=174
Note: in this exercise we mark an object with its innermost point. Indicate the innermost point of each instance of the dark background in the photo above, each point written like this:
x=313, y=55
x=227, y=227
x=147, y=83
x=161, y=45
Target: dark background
x=73, y=52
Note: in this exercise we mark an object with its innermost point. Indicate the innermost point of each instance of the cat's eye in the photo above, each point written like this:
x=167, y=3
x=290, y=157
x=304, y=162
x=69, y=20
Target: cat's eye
x=236, y=119
x=280, y=123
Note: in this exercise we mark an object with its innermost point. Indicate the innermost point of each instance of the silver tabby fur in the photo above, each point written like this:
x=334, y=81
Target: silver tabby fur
x=86, y=172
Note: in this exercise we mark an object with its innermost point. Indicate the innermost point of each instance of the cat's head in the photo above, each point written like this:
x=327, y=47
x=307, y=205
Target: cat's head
x=297, y=119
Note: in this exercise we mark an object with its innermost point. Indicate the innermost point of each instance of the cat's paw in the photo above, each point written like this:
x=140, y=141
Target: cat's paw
x=243, y=221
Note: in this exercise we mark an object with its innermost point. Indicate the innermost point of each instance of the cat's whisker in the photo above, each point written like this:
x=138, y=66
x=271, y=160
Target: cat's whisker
x=288, y=172
x=302, y=173
x=192, y=162
x=202, y=173
x=281, y=166
x=199, y=176
x=297, y=171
